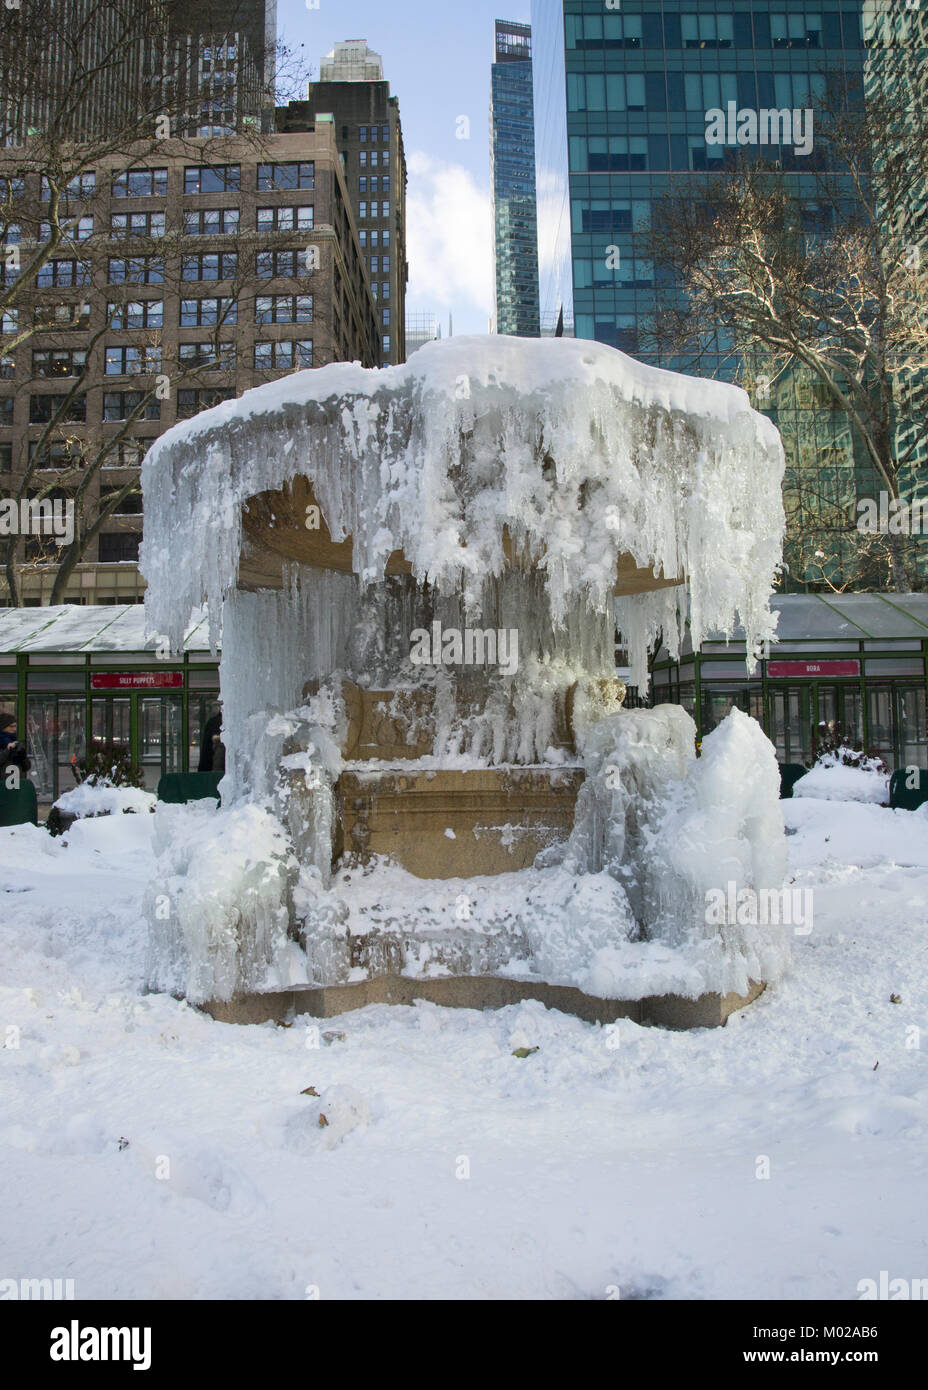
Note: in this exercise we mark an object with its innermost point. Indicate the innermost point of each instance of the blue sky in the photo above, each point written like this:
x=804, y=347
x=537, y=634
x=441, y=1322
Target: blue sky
x=437, y=57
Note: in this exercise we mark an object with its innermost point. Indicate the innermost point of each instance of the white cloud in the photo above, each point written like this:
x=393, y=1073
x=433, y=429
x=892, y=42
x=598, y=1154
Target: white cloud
x=448, y=234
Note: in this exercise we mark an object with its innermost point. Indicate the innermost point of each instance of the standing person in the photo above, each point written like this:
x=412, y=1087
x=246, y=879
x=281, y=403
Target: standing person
x=7, y=730
x=211, y=734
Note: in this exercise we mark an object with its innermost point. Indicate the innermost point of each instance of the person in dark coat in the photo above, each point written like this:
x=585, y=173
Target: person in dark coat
x=7, y=730
x=211, y=733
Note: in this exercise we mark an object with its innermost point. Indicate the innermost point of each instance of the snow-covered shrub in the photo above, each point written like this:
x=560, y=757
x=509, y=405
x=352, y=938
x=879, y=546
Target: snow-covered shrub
x=833, y=746
x=107, y=765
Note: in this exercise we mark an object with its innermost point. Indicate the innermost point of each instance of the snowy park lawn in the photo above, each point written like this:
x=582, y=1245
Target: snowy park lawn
x=592, y=1167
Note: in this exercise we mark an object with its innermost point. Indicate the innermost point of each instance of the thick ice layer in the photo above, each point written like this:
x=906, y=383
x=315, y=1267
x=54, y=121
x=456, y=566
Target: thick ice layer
x=686, y=837
x=218, y=901
x=581, y=453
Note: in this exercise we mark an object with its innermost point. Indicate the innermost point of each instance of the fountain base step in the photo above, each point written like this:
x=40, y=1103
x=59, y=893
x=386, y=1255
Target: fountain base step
x=479, y=992
x=456, y=824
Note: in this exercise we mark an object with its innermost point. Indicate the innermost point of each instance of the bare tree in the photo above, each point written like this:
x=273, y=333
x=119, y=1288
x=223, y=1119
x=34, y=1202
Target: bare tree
x=819, y=274
x=92, y=92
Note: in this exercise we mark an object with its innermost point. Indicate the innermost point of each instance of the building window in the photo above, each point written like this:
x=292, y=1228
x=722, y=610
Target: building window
x=273, y=177
x=192, y=402
x=6, y=457
x=281, y=354
x=129, y=506
x=120, y=405
x=614, y=91
x=363, y=132
x=362, y=185
x=136, y=224
x=386, y=345
x=211, y=222
x=385, y=316
x=7, y=368
x=6, y=410
x=284, y=308
x=42, y=409
x=207, y=312
x=210, y=265
x=362, y=158
x=80, y=187
x=286, y=219
x=385, y=135
x=385, y=289
x=136, y=270
x=214, y=357
x=81, y=229
x=131, y=359
x=119, y=547
x=61, y=315
x=218, y=178
x=58, y=362
x=58, y=454
x=273, y=265
x=127, y=453
x=11, y=188
x=797, y=30
x=707, y=30
x=68, y=272
x=136, y=313
x=141, y=183
x=362, y=209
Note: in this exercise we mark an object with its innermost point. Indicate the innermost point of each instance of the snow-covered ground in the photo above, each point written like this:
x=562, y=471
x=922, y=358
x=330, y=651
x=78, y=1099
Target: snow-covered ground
x=148, y=1151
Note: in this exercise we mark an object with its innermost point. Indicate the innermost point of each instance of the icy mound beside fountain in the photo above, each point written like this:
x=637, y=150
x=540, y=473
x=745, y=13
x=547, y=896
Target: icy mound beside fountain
x=578, y=452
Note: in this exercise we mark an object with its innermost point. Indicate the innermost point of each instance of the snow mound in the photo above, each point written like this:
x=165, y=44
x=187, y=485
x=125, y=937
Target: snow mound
x=96, y=800
x=837, y=782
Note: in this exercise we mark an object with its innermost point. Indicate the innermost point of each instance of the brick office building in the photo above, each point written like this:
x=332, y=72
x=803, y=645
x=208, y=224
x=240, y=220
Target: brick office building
x=211, y=276
x=354, y=98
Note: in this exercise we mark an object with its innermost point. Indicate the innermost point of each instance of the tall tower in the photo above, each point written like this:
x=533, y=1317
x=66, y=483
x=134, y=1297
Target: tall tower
x=353, y=95
x=621, y=103
x=512, y=165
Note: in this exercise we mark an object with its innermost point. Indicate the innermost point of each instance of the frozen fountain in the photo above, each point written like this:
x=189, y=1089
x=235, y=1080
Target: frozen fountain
x=432, y=788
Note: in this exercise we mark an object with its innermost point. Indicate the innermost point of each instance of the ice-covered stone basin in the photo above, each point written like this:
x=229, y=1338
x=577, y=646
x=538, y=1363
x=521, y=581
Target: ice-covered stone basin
x=546, y=488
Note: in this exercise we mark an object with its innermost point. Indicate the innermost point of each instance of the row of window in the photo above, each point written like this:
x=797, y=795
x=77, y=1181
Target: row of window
x=149, y=270
x=692, y=91
x=378, y=184
x=777, y=29
x=373, y=133
x=130, y=359
x=198, y=178
x=374, y=209
x=123, y=405
x=202, y=222
x=374, y=236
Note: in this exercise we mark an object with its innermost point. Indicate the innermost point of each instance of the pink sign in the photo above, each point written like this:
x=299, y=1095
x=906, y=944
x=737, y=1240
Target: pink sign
x=813, y=668
x=136, y=680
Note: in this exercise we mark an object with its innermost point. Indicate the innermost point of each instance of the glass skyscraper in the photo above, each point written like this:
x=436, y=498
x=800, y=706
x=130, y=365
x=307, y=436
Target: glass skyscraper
x=621, y=101
x=512, y=161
